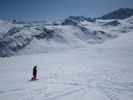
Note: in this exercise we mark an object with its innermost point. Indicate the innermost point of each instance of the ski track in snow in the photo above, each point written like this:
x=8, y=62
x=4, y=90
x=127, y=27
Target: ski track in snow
x=70, y=84
x=108, y=87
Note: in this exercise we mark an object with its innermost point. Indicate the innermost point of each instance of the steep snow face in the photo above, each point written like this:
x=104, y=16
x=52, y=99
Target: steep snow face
x=5, y=26
x=61, y=38
x=98, y=72
x=73, y=32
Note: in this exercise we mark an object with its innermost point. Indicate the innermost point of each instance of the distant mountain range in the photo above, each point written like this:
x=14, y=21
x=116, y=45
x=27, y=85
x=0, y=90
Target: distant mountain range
x=21, y=38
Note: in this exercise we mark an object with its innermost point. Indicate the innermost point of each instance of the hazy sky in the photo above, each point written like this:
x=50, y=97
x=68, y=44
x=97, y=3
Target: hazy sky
x=53, y=9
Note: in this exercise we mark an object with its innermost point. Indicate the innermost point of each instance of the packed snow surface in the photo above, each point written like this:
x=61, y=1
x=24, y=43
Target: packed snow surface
x=92, y=72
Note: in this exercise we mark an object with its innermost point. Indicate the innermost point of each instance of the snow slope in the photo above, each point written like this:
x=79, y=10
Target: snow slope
x=74, y=32
x=93, y=72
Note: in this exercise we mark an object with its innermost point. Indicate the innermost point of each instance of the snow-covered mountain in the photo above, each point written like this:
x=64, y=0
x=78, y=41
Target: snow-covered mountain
x=18, y=38
x=77, y=58
x=121, y=13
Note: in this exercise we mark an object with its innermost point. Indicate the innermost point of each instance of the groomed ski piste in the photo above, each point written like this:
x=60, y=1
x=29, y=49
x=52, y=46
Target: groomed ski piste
x=92, y=72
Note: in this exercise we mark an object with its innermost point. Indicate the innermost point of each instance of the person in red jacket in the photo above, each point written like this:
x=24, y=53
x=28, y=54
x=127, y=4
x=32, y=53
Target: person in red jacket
x=34, y=73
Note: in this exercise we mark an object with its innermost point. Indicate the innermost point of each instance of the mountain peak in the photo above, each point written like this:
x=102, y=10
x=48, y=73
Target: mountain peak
x=121, y=13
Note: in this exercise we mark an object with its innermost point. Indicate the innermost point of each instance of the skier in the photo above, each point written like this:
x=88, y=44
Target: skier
x=34, y=73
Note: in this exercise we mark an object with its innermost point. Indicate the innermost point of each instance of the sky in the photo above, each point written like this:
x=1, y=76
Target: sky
x=56, y=9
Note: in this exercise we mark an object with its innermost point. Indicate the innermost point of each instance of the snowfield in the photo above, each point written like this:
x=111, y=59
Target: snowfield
x=92, y=72
x=78, y=58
